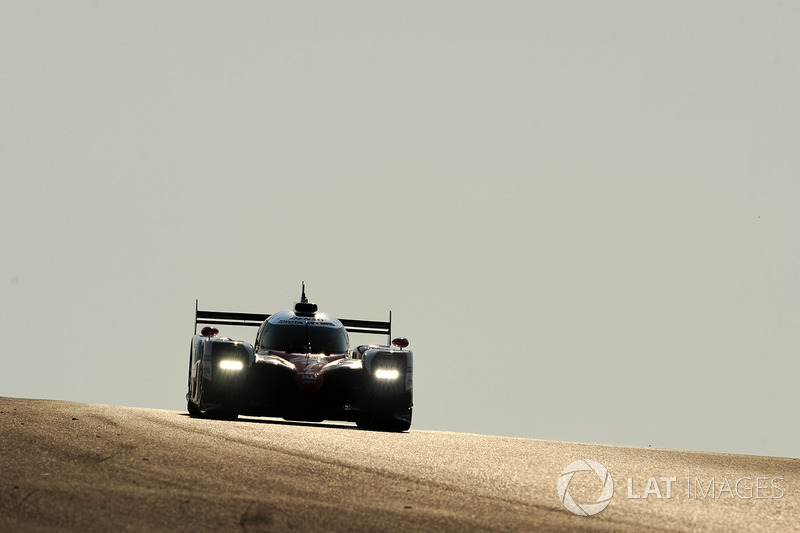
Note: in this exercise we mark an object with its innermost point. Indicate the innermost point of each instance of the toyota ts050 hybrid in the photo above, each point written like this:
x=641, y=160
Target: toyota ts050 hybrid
x=300, y=368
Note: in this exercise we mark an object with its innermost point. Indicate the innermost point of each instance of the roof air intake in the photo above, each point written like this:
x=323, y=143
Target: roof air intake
x=304, y=307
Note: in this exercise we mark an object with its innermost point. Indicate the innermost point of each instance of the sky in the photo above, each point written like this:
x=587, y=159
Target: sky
x=583, y=215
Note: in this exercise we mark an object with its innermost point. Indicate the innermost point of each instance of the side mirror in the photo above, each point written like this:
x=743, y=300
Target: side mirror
x=400, y=342
x=208, y=331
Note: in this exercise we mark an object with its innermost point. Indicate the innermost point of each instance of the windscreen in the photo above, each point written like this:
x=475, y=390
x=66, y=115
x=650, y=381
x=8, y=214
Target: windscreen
x=299, y=338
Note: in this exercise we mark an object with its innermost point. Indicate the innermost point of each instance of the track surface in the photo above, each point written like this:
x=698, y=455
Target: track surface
x=78, y=467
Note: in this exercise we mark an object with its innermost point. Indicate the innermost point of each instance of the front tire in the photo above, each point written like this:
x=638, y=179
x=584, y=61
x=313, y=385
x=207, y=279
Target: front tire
x=389, y=423
x=199, y=409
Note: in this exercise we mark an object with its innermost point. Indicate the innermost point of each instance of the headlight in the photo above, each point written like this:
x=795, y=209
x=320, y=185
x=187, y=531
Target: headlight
x=387, y=374
x=231, y=365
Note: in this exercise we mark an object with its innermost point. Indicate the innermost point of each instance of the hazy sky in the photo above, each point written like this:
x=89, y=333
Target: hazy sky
x=583, y=215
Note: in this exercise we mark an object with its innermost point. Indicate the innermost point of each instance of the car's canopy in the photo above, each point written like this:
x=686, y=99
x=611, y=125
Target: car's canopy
x=292, y=332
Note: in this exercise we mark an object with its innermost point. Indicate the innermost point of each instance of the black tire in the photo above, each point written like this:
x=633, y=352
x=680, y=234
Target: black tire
x=387, y=423
x=198, y=410
x=215, y=414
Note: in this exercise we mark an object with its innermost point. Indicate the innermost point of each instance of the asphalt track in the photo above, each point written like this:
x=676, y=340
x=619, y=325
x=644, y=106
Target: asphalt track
x=78, y=467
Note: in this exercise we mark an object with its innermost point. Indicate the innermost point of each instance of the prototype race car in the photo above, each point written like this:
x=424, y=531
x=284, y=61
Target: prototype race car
x=300, y=368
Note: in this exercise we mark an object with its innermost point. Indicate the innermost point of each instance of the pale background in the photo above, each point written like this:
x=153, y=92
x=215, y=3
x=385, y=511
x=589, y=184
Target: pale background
x=584, y=215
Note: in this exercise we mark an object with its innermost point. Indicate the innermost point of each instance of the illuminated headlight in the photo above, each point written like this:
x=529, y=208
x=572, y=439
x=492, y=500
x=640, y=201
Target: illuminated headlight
x=231, y=365
x=387, y=374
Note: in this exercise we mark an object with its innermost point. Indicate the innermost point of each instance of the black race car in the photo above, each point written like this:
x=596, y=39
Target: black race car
x=300, y=368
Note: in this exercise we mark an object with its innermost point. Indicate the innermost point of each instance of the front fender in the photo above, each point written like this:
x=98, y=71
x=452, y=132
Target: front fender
x=216, y=350
x=391, y=359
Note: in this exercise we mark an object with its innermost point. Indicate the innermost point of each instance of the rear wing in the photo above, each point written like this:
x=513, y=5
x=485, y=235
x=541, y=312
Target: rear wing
x=222, y=318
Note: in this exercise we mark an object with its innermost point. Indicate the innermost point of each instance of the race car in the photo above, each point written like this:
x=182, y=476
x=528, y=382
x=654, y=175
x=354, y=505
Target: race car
x=300, y=368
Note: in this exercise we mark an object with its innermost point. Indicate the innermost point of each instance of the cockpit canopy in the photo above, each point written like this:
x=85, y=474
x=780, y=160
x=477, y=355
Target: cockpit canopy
x=292, y=332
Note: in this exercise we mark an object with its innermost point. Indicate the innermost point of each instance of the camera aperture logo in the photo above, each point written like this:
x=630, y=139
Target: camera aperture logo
x=585, y=509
